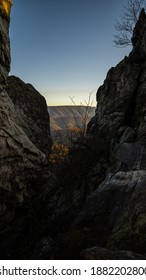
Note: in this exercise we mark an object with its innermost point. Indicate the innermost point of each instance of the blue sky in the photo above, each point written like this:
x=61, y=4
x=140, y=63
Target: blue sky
x=64, y=47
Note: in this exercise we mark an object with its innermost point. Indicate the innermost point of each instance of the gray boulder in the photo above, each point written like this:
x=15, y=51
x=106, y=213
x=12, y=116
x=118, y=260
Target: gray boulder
x=114, y=214
x=32, y=115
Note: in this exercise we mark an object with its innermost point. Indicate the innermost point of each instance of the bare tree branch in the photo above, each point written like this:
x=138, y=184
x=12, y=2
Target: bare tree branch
x=126, y=24
x=82, y=127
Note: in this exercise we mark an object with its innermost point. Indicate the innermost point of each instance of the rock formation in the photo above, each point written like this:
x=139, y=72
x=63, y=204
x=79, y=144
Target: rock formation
x=4, y=45
x=24, y=141
x=32, y=114
x=94, y=206
x=116, y=209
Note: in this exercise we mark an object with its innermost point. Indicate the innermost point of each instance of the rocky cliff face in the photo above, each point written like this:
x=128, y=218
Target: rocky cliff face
x=120, y=122
x=121, y=111
x=24, y=141
x=4, y=46
x=31, y=109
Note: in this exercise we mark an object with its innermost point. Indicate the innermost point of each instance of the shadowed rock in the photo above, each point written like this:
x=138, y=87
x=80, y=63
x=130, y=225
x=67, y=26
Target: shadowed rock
x=32, y=115
x=23, y=164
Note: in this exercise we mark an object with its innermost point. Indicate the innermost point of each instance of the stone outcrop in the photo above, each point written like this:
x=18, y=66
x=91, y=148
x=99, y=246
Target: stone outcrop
x=4, y=46
x=121, y=111
x=115, y=210
x=19, y=158
x=24, y=141
x=32, y=115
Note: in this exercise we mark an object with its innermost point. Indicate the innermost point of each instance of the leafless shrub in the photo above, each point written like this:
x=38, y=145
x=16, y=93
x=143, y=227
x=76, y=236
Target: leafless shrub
x=80, y=128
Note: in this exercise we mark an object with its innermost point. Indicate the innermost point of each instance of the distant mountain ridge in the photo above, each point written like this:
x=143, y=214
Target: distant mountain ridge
x=68, y=116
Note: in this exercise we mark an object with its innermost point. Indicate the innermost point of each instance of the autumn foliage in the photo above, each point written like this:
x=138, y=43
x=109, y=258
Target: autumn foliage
x=58, y=154
x=5, y=6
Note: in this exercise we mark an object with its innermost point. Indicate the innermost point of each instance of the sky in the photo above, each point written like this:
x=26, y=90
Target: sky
x=63, y=47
